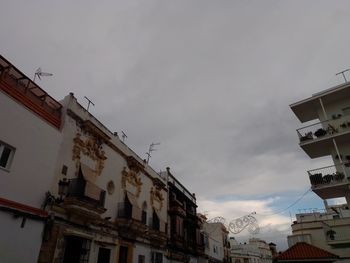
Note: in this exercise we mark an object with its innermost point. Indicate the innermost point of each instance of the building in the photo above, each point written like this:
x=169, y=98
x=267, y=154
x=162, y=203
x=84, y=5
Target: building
x=70, y=189
x=255, y=251
x=216, y=242
x=114, y=206
x=328, y=136
x=186, y=243
x=28, y=153
x=303, y=252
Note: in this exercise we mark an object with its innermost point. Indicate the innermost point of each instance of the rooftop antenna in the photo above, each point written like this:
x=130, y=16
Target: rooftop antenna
x=342, y=72
x=89, y=102
x=124, y=136
x=38, y=73
x=151, y=149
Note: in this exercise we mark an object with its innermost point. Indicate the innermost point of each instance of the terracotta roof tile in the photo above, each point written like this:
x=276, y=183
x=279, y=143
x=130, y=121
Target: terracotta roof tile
x=304, y=250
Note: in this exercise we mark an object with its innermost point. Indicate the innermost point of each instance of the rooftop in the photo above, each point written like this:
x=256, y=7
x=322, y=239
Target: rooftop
x=305, y=251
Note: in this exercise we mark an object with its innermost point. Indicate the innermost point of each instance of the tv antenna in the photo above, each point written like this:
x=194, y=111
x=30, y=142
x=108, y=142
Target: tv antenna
x=150, y=150
x=38, y=73
x=342, y=72
x=124, y=136
x=89, y=102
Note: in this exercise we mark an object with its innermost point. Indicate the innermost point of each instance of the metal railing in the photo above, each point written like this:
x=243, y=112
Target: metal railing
x=338, y=235
x=323, y=129
x=128, y=211
x=328, y=175
x=86, y=191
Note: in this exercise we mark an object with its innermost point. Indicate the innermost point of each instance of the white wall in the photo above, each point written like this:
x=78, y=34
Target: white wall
x=19, y=245
x=113, y=165
x=36, y=143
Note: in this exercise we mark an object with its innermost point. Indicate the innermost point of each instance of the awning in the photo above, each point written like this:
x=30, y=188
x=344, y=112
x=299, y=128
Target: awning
x=136, y=210
x=89, y=174
x=92, y=191
x=132, y=199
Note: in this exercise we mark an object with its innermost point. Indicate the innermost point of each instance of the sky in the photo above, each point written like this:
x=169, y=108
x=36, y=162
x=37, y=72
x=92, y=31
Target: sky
x=211, y=81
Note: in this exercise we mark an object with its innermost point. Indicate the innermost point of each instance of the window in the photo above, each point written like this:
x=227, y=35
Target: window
x=6, y=155
x=76, y=250
x=141, y=259
x=155, y=221
x=157, y=257
x=144, y=213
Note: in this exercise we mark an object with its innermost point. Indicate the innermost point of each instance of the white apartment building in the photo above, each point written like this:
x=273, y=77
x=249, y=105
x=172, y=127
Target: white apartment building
x=216, y=242
x=29, y=143
x=255, y=251
x=328, y=135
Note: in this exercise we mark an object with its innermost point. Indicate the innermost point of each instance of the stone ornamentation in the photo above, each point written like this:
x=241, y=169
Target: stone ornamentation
x=92, y=148
x=131, y=181
x=156, y=198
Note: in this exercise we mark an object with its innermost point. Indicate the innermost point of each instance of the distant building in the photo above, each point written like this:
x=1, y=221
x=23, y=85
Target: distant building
x=329, y=136
x=255, y=251
x=303, y=252
x=216, y=242
x=186, y=243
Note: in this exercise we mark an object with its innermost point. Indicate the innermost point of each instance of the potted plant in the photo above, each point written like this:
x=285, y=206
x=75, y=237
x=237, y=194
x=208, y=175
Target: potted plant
x=320, y=132
x=331, y=234
x=316, y=179
x=306, y=137
x=338, y=176
x=327, y=178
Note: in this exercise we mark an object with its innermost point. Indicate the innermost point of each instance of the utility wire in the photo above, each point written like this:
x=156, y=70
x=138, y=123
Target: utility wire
x=294, y=203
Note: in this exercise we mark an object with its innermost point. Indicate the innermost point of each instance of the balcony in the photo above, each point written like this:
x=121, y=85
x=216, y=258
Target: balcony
x=338, y=237
x=316, y=139
x=85, y=198
x=330, y=181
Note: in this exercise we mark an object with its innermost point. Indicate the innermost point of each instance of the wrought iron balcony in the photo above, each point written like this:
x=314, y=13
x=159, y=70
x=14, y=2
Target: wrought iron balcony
x=86, y=191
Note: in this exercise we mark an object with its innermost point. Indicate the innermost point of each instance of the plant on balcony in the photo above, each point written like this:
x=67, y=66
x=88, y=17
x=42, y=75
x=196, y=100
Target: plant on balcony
x=343, y=125
x=330, y=234
x=336, y=116
x=327, y=178
x=338, y=176
x=316, y=179
x=306, y=137
x=320, y=132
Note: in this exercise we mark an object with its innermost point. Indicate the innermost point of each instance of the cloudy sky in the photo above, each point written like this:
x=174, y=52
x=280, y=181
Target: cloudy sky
x=210, y=80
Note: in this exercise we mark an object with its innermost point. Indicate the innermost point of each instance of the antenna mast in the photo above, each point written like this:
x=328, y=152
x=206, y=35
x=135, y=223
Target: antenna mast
x=151, y=149
x=342, y=72
x=89, y=102
x=38, y=73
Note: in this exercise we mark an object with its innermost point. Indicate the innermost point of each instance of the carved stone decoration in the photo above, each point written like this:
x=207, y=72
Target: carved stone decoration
x=110, y=187
x=92, y=148
x=156, y=198
x=131, y=181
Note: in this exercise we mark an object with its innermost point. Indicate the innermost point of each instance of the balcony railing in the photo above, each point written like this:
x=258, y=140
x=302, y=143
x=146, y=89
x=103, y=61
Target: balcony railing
x=128, y=211
x=324, y=129
x=338, y=236
x=333, y=174
x=86, y=191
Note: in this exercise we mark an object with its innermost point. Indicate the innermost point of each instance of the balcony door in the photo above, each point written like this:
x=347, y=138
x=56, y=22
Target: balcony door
x=77, y=250
x=123, y=254
x=104, y=255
